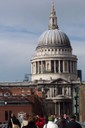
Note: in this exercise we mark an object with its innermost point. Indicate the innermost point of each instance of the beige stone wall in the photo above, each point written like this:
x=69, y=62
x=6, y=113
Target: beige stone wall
x=82, y=103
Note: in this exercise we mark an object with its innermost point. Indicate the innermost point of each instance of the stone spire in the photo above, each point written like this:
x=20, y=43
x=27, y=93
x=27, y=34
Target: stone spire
x=53, y=19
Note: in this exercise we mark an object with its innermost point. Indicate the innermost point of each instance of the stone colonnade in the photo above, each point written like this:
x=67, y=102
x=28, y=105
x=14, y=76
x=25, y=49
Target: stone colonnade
x=62, y=107
x=53, y=92
x=54, y=66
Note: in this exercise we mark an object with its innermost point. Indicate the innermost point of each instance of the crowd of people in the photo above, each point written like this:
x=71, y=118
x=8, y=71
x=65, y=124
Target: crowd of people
x=52, y=121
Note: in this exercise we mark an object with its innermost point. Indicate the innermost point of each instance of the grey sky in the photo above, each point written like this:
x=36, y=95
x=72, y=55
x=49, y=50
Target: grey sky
x=21, y=24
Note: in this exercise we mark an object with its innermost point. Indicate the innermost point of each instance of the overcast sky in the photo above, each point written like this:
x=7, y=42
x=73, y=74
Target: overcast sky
x=21, y=24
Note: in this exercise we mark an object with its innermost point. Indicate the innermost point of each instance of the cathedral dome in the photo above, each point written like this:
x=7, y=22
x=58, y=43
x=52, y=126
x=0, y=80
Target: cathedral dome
x=53, y=57
x=54, y=38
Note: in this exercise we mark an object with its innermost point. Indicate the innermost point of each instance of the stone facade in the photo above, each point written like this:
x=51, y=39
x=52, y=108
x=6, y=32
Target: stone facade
x=54, y=63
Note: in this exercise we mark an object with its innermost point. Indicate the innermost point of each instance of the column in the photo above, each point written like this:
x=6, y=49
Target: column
x=56, y=91
x=50, y=65
x=38, y=67
x=70, y=66
x=54, y=66
x=41, y=66
x=63, y=65
x=67, y=66
x=63, y=91
x=69, y=91
x=46, y=65
x=73, y=66
x=59, y=108
x=50, y=92
x=65, y=62
x=33, y=67
x=76, y=66
x=59, y=66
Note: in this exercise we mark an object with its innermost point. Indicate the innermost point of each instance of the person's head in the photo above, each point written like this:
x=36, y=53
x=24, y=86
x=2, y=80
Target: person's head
x=51, y=118
x=55, y=115
x=46, y=118
x=37, y=118
x=12, y=115
x=26, y=116
x=72, y=117
x=31, y=118
x=60, y=117
x=64, y=116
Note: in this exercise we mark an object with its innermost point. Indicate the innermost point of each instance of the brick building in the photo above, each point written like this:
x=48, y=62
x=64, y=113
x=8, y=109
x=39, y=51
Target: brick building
x=18, y=100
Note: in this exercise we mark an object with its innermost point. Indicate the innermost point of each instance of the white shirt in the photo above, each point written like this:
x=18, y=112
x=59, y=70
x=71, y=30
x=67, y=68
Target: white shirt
x=24, y=123
x=50, y=124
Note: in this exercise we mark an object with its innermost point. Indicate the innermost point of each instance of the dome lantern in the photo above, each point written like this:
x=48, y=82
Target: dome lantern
x=53, y=19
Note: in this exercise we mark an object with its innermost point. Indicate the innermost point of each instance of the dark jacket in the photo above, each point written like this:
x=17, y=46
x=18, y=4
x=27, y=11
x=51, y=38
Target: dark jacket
x=15, y=121
x=61, y=123
x=73, y=124
x=31, y=124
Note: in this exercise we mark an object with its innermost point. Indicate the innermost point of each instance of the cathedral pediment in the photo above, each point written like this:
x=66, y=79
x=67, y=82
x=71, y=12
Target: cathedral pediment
x=60, y=80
